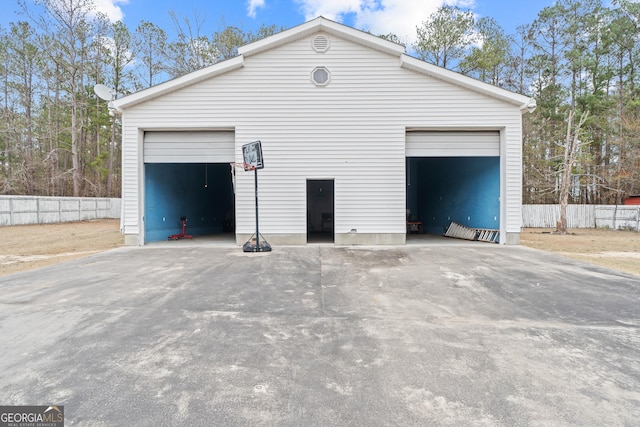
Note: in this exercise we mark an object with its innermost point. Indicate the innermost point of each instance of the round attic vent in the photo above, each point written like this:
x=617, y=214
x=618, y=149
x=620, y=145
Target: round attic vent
x=320, y=43
x=320, y=76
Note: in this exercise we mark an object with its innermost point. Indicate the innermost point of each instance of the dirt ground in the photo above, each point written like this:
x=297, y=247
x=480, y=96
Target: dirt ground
x=33, y=246
x=26, y=247
x=618, y=250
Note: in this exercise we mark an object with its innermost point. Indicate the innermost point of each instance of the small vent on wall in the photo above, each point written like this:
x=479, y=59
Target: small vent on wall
x=320, y=76
x=320, y=43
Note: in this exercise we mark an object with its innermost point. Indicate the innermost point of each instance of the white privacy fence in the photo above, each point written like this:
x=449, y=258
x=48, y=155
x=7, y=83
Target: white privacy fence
x=25, y=210
x=617, y=217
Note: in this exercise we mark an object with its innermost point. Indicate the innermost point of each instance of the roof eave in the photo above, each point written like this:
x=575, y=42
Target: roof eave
x=525, y=103
x=177, y=83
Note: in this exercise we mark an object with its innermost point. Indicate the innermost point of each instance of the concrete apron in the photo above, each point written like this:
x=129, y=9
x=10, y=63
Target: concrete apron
x=467, y=334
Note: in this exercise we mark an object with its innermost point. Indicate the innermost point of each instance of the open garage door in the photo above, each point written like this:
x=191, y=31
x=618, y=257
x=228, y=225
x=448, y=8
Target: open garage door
x=189, y=147
x=453, y=176
x=187, y=175
x=453, y=144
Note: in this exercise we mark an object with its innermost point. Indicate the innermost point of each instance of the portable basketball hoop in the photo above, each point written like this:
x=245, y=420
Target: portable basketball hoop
x=252, y=161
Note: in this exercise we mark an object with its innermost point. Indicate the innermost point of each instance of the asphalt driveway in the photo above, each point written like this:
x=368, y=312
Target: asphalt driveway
x=467, y=334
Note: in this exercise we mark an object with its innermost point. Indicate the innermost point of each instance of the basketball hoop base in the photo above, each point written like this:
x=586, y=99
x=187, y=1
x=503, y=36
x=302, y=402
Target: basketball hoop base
x=252, y=246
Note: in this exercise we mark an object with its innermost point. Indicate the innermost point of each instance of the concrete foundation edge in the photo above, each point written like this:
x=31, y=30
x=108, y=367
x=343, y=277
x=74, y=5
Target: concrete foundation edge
x=349, y=239
x=275, y=239
x=131, y=240
x=344, y=239
x=513, y=239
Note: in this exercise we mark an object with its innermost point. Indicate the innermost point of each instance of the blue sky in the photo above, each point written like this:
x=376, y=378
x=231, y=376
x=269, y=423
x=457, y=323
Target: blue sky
x=379, y=16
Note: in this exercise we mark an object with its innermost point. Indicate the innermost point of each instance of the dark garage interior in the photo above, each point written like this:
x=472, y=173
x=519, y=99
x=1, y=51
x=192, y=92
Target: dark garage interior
x=461, y=189
x=201, y=192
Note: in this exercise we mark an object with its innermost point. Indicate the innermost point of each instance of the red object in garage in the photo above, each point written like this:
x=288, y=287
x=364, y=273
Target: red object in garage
x=184, y=234
x=632, y=200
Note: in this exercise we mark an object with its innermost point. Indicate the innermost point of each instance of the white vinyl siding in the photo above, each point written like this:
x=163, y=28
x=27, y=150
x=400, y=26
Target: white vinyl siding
x=453, y=144
x=189, y=147
x=352, y=130
x=129, y=220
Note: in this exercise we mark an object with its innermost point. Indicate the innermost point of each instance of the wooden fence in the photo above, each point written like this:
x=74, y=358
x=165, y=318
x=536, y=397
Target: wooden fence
x=616, y=217
x=24, y=210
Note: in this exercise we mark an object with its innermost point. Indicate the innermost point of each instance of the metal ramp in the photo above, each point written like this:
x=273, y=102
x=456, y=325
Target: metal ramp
x=459, y=231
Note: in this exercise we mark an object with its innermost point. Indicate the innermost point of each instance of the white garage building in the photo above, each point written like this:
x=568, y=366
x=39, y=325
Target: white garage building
x=357, y=138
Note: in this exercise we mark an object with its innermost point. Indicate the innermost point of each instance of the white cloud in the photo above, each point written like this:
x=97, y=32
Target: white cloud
x=253, y=6
x=400, y=17
x=330, y=9
x=111, y=8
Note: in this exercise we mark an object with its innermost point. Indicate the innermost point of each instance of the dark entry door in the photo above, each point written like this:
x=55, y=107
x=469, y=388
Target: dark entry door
x=320, y=210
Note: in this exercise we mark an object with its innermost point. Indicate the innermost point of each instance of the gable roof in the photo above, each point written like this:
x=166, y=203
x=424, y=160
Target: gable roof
x=316, y=25
x=321, y=24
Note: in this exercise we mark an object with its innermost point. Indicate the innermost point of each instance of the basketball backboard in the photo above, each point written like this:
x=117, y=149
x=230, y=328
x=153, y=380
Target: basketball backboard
x=252, y=154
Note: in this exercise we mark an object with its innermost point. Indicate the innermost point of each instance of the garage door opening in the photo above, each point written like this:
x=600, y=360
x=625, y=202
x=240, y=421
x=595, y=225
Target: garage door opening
x=199, y=191
x=320, y=211
x=461, y=189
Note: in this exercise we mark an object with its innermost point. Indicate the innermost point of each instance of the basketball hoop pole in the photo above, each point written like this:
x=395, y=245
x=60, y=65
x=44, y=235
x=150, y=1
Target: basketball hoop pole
x=255, y=171
x=258, y=246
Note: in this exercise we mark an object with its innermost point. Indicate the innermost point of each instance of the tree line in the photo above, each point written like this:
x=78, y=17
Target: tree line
x=56, y=136
x=578, y=58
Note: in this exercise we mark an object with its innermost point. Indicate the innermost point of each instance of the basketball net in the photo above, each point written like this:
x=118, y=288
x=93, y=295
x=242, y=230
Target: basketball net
x=244, y=166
